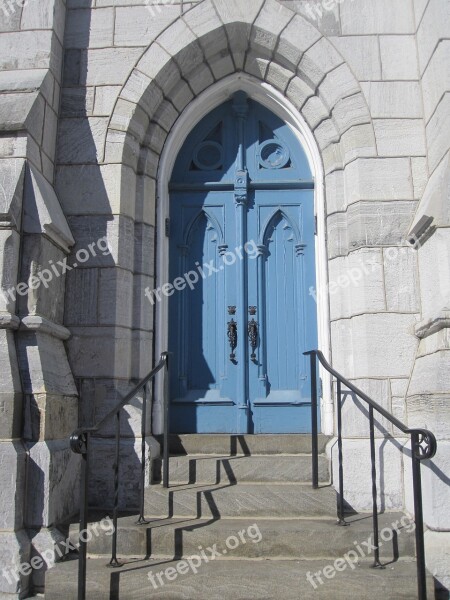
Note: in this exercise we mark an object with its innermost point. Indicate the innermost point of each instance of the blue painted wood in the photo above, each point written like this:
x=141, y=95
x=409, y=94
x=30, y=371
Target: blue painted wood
x=249, y=244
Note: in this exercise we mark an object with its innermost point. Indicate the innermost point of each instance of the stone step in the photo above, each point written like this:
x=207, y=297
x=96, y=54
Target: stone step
x=236, y=579
x=234, y=445
x=252, y=500
x=283, y=538
x=226, y=469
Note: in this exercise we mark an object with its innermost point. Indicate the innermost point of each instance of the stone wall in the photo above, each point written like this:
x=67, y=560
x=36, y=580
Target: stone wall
x=38, y=398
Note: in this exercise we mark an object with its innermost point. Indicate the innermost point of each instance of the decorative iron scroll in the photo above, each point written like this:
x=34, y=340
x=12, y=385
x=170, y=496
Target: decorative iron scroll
x=232, y=332
x=253, y=337
x=424, y=443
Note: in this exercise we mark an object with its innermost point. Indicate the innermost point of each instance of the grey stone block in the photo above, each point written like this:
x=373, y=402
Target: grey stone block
x=362, y=54
x=393, y=99
x=249, y=500
x=365, y=16
x=53, y=474
x=89, y=28
x=242, y=580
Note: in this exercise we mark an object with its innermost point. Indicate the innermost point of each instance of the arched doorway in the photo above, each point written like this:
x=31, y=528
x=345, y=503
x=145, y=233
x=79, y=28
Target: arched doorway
x=241, y=264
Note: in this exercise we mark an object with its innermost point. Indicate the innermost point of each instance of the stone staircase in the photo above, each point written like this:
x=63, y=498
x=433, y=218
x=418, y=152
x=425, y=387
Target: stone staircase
x=241, y=521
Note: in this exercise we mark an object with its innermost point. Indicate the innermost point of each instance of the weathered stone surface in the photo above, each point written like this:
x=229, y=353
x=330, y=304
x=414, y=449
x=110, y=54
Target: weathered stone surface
x=15, y=550
x=326, y=133
x=48, y=14
x=393, y=99
x=434, y=284
x=246, y=580
x=9, y=264
x=314, y=111
x=145, y=200
x=107, y=66
x=115, y=287
x=401, y=279
x=100, y=351
x=136, y=26
x=142, y=309
x=432, y=28
x=431, y=375
x=357, y=142
x=42, y=211
x=81, y=297
x=35, y=50
x=398, y=57
x=438, y=131
x=374, y=345
x=357, y=482
x=362, y=54
x=96, y=190
x=11, y=407
x=338, y=84
x=365, y=179
x=141, y=353
x=298, y=92
x=400, y=137
x=277, y=500
x=43, y=292
x=419, y=170
x=356, y=284
x=365, y=16
x=80, y=141
x=437, y=553
x=44, y=366
x=436, y=78
x=119, y=234
x=89, y=28
x=53, y=470
x=130, y=118
x=355, y=412
x=12, y=461
x=294, y=40
x=351, y=111
x=105, y=99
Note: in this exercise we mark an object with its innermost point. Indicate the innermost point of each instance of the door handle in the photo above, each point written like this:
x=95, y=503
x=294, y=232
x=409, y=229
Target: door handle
x=252, y=330
x=232, y=332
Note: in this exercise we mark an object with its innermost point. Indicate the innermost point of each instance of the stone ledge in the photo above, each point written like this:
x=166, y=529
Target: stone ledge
x=9, y=321
x=43, y=325
x=433, y=325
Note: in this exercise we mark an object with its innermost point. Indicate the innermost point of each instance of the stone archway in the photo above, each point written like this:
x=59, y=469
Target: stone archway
x=276, y=47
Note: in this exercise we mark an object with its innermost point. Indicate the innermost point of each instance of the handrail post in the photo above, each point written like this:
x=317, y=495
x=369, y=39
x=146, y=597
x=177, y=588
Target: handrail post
x=314, y=434
x=84, y=488
x=166, y=424
x=142, y=520
x=341, y=511
x=376, y=562
x=114, y=562
x=418, y=517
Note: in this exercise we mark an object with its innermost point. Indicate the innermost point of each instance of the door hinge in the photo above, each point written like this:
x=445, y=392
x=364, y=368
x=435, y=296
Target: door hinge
x=315, y=224
x=167, y=227
x=320, y=389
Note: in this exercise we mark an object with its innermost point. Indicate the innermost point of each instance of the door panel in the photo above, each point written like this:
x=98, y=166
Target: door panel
x=202, y=376
x=279, y=387
x=241, y=178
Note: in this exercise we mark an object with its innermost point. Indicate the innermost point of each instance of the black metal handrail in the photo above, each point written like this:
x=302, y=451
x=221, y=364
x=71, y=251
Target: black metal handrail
x=423, y=446
x=80, y=444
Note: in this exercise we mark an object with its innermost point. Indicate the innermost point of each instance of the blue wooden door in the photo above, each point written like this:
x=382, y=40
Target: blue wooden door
x=241, y=266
